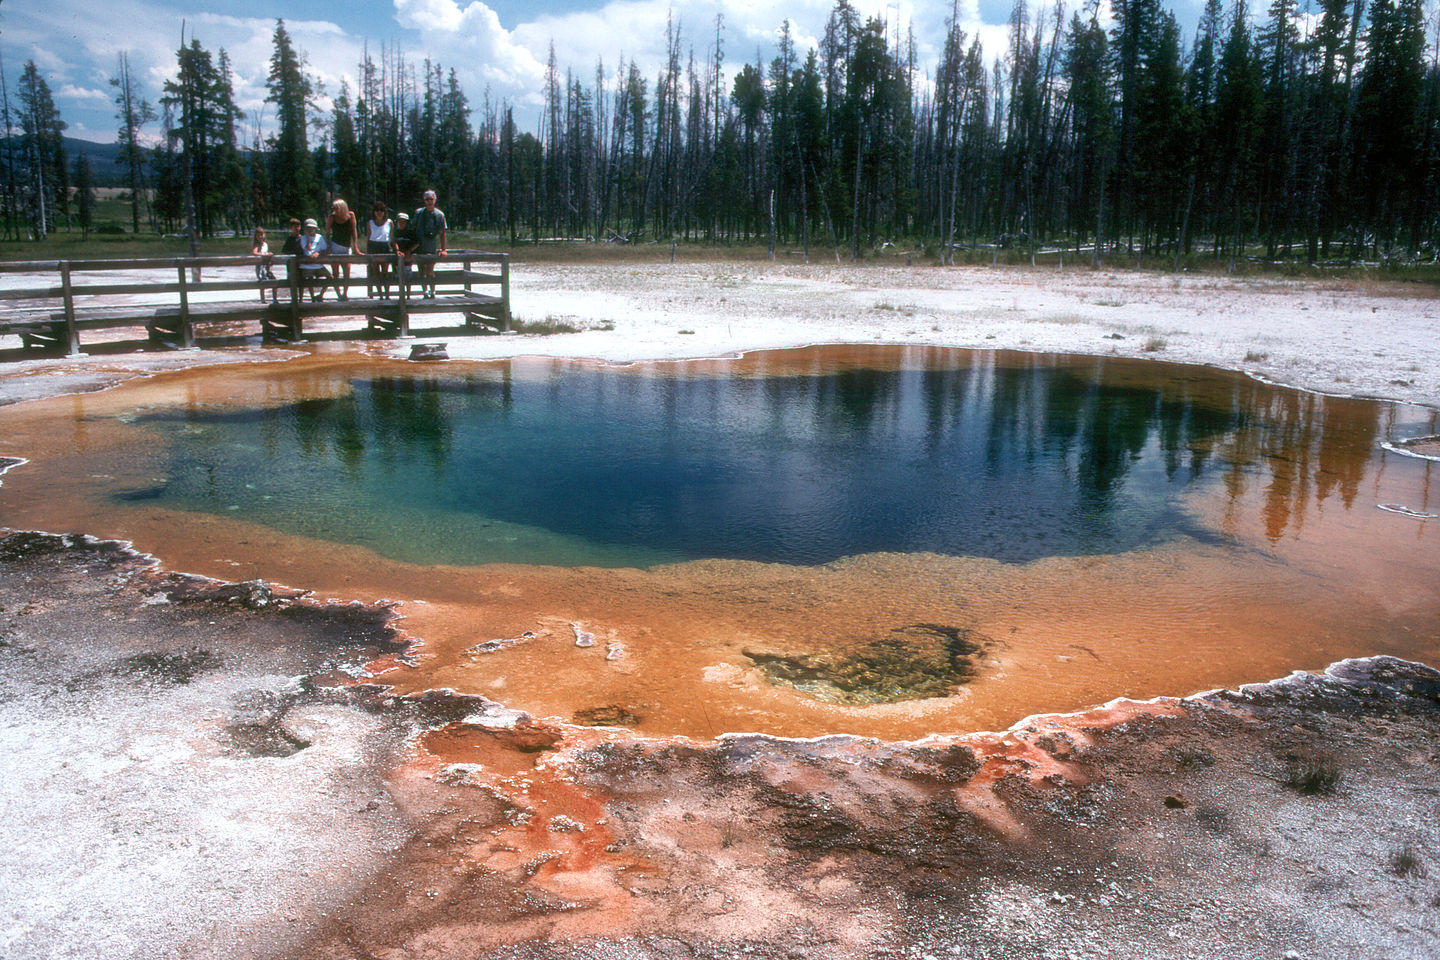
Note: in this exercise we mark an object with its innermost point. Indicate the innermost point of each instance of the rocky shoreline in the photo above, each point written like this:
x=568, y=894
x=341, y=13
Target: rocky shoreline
x=199, y=768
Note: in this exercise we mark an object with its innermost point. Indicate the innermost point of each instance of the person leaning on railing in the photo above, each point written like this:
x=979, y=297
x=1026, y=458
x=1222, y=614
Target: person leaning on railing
x=312, y=271
x=291, y=249
x=379, y=242
x=260, y=248
x=429, y=226
x=405, y=244
x=342, y=229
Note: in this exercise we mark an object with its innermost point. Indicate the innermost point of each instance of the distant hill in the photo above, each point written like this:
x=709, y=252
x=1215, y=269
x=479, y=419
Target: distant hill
x=102, y=157
x=102, y=160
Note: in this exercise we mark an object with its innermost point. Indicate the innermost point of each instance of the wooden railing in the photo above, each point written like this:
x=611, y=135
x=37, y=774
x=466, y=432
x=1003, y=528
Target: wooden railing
x=53, y=316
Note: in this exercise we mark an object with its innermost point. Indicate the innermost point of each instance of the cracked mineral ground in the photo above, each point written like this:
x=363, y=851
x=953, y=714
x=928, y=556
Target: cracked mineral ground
x=192, y=770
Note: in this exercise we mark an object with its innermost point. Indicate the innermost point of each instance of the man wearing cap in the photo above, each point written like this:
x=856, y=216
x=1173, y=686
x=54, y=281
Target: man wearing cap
x=429, y=227
x=312, y=248
x=405, y=244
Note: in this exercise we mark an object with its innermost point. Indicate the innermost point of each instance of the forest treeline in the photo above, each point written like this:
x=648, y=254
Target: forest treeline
x=1312, y=137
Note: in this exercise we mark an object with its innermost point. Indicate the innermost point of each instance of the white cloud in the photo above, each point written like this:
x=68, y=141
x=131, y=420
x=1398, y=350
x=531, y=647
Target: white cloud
x=81, y=131
x=78, y=50
x=97, y=98
x=635, y=30
x=471, y=40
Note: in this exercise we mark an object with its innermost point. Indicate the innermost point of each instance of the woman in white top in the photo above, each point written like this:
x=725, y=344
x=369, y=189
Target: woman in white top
x=312, y=271
x=379, y=242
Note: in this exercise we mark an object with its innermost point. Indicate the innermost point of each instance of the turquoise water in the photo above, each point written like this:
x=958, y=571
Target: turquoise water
x=1013, y=457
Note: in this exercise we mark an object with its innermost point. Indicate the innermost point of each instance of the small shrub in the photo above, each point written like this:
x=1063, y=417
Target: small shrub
x=1314, y=775
x=1191, y=757
x=1405, y=861
x=550, y=325
x=1154, y=345
x=1252, y=356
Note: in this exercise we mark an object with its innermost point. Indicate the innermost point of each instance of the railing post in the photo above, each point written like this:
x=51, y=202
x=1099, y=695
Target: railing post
x=185, y=330
x=294, y=298
x=403, y=301
x=72, y=334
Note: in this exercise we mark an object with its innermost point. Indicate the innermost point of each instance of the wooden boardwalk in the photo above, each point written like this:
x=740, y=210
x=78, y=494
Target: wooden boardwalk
x=180, y=313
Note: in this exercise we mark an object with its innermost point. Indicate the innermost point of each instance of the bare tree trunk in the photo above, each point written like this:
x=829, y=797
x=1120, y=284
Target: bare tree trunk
x=1184, y=222
x=770, y=225
x=855, y=216
x=39, y=191
x=804, y=215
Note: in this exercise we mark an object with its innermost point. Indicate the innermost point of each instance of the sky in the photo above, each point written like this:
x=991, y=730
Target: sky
x=501, y=45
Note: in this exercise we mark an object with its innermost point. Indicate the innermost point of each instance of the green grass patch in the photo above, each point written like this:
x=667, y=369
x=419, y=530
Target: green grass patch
x=1314, y=775
x=548, y=327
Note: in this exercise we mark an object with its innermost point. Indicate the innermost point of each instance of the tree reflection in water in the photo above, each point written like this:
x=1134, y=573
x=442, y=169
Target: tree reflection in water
x=795, y=457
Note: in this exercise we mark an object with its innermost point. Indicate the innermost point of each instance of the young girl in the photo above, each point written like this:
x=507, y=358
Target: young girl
x=259, y=248
x=340, y=227
x=380, y=241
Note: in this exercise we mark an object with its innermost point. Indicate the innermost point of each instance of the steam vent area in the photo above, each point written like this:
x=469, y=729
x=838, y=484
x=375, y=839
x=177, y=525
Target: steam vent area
x=627, y=644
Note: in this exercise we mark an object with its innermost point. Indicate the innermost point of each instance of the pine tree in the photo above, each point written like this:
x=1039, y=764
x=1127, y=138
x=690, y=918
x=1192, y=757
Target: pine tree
x=748, y=98
x=1238, y=103
x=231, y=192
x=168, y=207
x=202, y=105
x=345, y=148
x=1092, y=122
x=292, y=175
x=133, y=112
x=1388, y=105
x=10, y=205
x=48, y=176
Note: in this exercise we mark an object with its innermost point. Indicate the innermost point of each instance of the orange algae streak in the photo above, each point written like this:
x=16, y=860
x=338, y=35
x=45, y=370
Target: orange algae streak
x=555, y=836
x=1312, y=572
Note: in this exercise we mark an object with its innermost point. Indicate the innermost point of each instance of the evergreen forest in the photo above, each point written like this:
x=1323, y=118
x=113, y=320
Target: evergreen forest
x=1309, y=136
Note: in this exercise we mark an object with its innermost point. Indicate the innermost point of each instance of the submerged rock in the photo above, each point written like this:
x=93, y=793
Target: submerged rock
x=429, y=351
x=909, y=663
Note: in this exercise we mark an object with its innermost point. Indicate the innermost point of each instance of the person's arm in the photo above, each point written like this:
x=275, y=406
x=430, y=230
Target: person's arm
x=443, y=225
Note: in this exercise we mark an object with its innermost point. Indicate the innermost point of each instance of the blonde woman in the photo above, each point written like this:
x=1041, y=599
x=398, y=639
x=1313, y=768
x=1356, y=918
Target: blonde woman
x=341, y=228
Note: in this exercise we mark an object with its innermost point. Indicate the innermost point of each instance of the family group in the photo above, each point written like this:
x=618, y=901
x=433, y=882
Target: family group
x=422, y=235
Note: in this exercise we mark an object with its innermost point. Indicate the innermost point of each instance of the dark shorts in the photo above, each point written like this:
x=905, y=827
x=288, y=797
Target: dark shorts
x=376, y=246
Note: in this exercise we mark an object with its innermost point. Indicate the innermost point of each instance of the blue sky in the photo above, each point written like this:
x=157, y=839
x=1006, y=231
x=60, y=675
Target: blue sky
x=501, y=44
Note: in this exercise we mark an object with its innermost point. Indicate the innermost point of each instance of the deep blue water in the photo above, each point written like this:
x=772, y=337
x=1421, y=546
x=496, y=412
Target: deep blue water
x=1003, y=456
